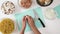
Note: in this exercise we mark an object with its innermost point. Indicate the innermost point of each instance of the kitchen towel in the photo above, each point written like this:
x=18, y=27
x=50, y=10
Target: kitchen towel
x=57, y=9
x=19, y=17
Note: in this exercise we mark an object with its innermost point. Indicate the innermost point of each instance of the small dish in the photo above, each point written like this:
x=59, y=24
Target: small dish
x=25, y=3
x=50, y=13
x=44, y=2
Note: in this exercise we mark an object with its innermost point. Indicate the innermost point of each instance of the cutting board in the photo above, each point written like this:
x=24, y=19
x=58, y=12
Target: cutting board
x=19, y=17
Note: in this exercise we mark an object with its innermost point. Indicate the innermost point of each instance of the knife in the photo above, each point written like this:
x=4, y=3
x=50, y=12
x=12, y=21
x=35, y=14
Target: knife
x=37, y=17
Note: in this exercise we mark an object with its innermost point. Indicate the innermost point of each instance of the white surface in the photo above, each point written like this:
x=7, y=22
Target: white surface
x=52, y=26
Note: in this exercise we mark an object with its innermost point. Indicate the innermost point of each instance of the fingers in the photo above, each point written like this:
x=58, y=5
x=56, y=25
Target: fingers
x=24, y=19
x=24, y=22
x=28, y=17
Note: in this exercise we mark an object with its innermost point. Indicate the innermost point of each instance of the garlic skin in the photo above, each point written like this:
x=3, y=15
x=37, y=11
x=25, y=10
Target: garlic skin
x=8, y=7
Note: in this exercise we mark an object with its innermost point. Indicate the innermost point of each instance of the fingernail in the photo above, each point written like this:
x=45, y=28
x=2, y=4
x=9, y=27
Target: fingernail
x=26, y=16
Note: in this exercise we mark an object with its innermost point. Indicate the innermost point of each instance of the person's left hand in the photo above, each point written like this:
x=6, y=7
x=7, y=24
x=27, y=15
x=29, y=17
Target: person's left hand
x=23, y=25
x=24, y=22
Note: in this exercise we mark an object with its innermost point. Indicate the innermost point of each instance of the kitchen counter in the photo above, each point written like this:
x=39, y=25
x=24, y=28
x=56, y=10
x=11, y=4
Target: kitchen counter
x=52, y=26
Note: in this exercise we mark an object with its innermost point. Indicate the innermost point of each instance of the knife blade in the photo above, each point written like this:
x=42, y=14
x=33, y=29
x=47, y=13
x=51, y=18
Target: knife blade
x=37, y=17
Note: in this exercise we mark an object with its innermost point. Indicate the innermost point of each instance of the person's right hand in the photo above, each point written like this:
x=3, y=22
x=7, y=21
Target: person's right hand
x=30, y=21
x=32, y=25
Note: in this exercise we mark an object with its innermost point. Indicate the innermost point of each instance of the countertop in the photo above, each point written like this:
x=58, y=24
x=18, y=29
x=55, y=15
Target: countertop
x=52, y=26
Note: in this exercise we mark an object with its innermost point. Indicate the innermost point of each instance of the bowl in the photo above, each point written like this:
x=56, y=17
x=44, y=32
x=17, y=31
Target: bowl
x=8, y=7
x=44, y=3
x=14, y=24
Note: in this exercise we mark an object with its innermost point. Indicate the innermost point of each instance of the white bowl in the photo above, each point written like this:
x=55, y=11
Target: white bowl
x=50, y=13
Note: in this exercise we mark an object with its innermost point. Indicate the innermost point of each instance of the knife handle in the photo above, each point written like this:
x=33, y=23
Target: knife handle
x=41, y=22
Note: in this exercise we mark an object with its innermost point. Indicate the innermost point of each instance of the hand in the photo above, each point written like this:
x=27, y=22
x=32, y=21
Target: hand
x=30, y=20
x=32, y=24
x=24, y=22
x=23, y=25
